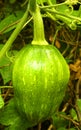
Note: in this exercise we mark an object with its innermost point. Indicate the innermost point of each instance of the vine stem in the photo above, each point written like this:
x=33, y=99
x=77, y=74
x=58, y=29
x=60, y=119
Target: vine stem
x=69, y=17
x=15, y=33
x=39, y=37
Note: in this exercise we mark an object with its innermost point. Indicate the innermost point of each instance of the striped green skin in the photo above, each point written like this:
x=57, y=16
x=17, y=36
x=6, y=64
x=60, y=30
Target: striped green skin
x=40, y=77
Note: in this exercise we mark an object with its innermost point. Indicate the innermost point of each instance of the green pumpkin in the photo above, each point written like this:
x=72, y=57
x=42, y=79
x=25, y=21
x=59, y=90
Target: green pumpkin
x=40, y=77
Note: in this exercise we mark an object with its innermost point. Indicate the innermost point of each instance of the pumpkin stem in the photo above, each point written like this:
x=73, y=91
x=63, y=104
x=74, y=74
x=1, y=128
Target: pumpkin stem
x=39, y=37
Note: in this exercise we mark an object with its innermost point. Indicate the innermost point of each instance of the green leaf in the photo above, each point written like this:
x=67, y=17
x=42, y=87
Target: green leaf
x=68, y=60
x=62, y=128
x=73, y=114
x=63, y=9
x=1, y=45
x=6, y=66
x=1, y=102
x=53, y=1
x=78, y=102
x=10, y=22
x=8, y=113
x=12, y=1
x=77, y=13
x=41, y=1
x=46, y=1
x=6, y=70
x=72, y=129
x=59, y=122
x=10, y=117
